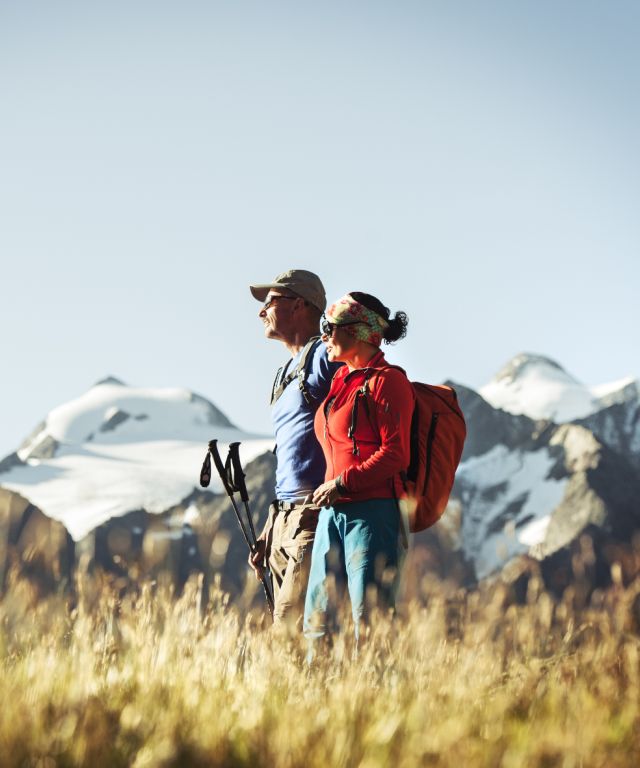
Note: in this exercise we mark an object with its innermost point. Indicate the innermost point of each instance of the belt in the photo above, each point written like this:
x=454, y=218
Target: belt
x=287, y=506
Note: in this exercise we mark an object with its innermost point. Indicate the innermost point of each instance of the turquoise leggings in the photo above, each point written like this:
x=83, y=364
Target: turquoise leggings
x=358, y=541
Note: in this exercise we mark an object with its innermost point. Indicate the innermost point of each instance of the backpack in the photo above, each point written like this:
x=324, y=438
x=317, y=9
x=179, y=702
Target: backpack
x=438, y=432
x=300, y=372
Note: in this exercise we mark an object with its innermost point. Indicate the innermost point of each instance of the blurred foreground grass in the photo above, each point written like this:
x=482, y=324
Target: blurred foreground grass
x=148, y=680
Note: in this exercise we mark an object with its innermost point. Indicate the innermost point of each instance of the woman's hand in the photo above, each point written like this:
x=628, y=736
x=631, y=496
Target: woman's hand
x=326, y=494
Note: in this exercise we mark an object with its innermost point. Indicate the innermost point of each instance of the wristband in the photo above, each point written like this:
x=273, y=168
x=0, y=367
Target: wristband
x=340, y=487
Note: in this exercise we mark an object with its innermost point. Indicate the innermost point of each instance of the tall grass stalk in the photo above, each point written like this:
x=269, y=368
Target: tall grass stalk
x=150, y=680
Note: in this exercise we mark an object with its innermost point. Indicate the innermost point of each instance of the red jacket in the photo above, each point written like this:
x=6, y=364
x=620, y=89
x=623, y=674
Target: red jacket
x=382, y=435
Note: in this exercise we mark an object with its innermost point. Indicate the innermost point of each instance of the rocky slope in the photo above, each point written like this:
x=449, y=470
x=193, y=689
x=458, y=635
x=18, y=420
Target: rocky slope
x=554, y=461
x=112, y=478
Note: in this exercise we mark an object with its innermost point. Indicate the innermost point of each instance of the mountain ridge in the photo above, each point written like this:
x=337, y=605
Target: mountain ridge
x=540, y=388
x=118, y=448
x=527, y=485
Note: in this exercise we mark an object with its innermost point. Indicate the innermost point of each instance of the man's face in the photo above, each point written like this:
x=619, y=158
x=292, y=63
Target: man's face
x=277, y=314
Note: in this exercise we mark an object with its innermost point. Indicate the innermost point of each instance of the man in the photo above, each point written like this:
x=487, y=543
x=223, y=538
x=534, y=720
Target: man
x=291, y=311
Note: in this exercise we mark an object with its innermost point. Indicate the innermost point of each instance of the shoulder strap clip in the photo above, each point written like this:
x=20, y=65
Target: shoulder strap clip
x=301, y=371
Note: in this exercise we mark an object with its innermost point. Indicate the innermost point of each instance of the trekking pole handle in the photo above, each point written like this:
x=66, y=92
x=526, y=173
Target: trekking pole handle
x=205, y=472
x=213, y=448
x=238, y=474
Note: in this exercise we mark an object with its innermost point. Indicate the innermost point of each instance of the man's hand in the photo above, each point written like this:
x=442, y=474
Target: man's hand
x=256, y=560
x=326, y=494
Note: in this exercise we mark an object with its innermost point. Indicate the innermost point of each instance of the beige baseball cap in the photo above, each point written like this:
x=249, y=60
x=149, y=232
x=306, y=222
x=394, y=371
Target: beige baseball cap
x=305, y=284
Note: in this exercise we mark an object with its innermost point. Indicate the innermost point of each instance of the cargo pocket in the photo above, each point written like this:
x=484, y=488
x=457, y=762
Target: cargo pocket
x=307, y=524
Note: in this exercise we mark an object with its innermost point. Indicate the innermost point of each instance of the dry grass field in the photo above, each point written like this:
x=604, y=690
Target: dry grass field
x=463, y=680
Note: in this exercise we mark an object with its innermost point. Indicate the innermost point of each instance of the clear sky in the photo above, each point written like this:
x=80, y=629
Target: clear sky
x=476, y=164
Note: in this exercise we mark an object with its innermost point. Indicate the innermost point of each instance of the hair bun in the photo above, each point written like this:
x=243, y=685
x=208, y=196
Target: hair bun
x=397, y=328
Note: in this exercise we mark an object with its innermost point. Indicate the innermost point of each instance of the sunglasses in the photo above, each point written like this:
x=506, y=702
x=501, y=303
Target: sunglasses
x=270, y=301
x=328, y=328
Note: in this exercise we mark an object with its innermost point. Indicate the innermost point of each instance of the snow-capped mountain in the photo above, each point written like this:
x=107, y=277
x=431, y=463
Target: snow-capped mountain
x=116, y=449
x=531, y=488
x=536, y=386
x=111, y=413
x=546, y=460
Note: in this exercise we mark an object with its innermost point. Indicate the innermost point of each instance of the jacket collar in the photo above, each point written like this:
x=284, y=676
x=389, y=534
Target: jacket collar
x=377, y=361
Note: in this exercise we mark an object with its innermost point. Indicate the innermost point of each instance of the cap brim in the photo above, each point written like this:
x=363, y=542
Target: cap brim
x=260, y=291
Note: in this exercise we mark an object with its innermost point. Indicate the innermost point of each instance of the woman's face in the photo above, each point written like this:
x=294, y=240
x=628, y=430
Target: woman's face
x=340, y=344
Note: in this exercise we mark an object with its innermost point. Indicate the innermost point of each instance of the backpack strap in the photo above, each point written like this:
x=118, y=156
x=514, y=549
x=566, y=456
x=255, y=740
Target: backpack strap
x=276, y=388
x=301, y=372
x=304, y=366
x=362, y=392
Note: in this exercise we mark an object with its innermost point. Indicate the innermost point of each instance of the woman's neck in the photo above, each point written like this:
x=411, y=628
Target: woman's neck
x=361, y=356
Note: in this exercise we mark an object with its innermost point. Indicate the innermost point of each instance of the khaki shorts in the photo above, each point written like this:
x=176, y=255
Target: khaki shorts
x=290, y=534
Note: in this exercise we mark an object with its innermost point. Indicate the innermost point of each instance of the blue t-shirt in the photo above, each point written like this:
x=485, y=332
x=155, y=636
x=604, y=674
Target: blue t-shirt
x=300, y=461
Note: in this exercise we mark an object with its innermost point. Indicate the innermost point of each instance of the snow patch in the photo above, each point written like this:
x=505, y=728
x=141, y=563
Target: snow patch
x=192, y=514
x=116, y=449
x=85, y=486
x=603, y=390
x=534, y=532
x=507, y=499
x=537, y=387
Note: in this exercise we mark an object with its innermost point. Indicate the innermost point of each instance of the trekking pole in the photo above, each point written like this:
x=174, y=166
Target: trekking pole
x=238, y=476
x=226, y=476
x=227, y=482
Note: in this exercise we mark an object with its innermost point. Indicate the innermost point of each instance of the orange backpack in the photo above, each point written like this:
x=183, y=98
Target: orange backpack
x=438, y=432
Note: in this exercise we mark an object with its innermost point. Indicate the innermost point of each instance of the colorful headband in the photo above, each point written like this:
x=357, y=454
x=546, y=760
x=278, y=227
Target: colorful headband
x=359, y=321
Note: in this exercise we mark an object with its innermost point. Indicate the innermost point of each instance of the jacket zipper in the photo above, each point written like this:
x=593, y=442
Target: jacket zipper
x=327, y=410
x=326, y=422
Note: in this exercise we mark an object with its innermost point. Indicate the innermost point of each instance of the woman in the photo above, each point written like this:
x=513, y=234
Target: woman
x=363, y=427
